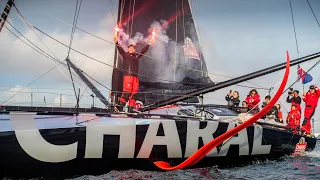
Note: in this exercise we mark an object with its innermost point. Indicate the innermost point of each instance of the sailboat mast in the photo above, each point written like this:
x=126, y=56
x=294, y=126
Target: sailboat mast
x=116, y=74
x=5, y=13
x=230, y=82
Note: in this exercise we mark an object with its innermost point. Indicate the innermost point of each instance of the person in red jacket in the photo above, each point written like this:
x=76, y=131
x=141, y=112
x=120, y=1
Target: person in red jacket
x=279, y=113
x=311, y=99
x=130, y=70
x=253, y=99
x=293, y=119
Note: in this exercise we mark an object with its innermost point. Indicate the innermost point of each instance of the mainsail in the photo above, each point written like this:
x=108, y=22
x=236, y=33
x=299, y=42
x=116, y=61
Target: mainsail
x=174, y=65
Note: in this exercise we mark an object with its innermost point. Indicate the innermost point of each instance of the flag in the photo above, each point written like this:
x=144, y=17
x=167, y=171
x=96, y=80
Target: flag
x=305, y=77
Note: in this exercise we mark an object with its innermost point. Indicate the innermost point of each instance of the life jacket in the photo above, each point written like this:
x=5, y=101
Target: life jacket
x=252, y=101
x=297, y=105
x=311, y=99
x=279, y=114
x=293, y=118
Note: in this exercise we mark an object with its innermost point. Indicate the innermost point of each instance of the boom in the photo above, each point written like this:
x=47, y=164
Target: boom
x=230, y=82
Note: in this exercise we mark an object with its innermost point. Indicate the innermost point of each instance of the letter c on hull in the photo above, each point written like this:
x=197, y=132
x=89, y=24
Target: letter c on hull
x=35, y=145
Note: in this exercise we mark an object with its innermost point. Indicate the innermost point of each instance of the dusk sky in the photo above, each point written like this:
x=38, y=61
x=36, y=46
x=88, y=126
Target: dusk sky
x=238, y=37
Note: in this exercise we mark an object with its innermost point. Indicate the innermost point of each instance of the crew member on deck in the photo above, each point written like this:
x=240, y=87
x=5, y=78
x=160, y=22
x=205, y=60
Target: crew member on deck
x=130, y=71
x=294, y=98
x=244, y=108
x=293, y=119
x=273, y=113
x=253, y=99
x=233, y=100
x=311, y=99
x=244, y=104
x=279, y=113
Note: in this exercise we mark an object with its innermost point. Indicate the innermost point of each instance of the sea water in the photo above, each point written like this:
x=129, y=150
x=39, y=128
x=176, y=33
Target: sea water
x=306, y=166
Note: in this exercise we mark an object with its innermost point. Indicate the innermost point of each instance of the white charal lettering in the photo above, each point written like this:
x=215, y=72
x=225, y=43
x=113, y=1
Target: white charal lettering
x=35, y=145
x=193, y=134
x=241, y=140
x=126, y=128
x=170, y=139
x=258, y=148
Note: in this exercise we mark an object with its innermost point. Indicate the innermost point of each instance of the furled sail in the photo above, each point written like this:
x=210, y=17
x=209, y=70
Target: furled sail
x=174, y=64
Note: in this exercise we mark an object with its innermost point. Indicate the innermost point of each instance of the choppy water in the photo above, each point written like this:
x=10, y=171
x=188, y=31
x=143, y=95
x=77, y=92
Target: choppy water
x=298, y=167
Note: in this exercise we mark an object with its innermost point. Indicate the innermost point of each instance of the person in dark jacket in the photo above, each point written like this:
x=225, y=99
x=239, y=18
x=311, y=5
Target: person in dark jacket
x=233, y=100
x=130, y=74
x=294, y=99
x=273, y=113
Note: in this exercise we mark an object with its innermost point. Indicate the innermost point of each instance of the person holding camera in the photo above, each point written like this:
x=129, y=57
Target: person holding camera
x=294, y=99
x=233, y=100
x=311, y=99
x=273, y=113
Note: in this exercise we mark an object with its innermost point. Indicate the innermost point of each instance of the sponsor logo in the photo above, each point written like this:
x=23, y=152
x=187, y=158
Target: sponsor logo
x=175, y=137
x=139, y=105
x=190, y=50
x=301, y=145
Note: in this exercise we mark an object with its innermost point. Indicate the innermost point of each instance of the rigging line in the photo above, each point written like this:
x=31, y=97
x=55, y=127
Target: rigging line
x=281, y=103
x=37, y=92
x=12, y=86
x=145, y=54
x=75, y=20
x=74, y=88
x=72, y=29
x=56, y=60
x=318, y=25
x=300, y=77
x=95, y=73
x=129, y=23
x=196, y=24
x=32, y=81
x=22, y=18
x=134, y=4
x=251, y=87
x=66, y=65
x=197, y=28
x=31, y=27
x=175, y=47
x=313, y=13
x=294, y=29
x=26, y=38
x=121, y=10
x=45, y=54
x=136, y=52
x=106, y=63
x=184, y=28
x=112, y=11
